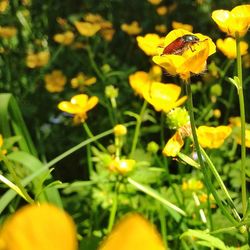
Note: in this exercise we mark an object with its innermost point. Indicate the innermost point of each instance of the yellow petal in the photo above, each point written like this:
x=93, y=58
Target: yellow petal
x=80, y=100
x=133, y=232
x=87, y=29
x=91, y=103
x=173, y=146
x=69, y=107
x=35, y=227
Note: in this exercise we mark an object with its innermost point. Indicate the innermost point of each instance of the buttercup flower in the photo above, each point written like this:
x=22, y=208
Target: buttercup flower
x=174, y=145
x=161, y=28
x=86, y=28
x=192, y=185
x=82, y=80
x=131, y=29
x=155, y=2
x=65, y=38
x=55, y=81
x=235, y=123
x=120, y=130
x=191, y=61
x=213, y=137
x=35, y=60
x=3, y=151
x=121, y=166
x=150, y=43
x=39, y=227
x=163, y=97
x=133, y=232
x=236, y=20
x=162, y=10
x=3, y=5
x=7, y=32
x=78, y=106
x=178, y=25
x=228, y=47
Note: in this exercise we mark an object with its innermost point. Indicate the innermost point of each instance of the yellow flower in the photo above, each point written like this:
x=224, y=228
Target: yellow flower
x=174, y=145
x=213, y=137
x=86, y=28
x=162, y=10
x=178, y=25
x=192, y=60
x=120, y=129
x=78, y=106
x=163, y=97
x=7, y=31
x=121, y=166
x=235, y=123
x=37, y=60
x=161, y=28
x=131, y=29
x=192, y=185
x=150, y=43
x=246, y=61
x=93, y=18
x=155, y=2
x=133, y=232
x=228, y=47
x=82, y=80
x=3, y=5
x=39, y=227
x=65, y=38
x=3, y=151
x=55, y=81
x=236, y=20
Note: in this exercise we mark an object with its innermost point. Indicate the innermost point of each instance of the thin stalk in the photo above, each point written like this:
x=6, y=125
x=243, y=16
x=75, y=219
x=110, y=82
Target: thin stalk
x=17, y=182
x=202, y=164
x=137, y=127
x=93, y=63
x=114, y=207
x=163, y=225
x=243, y=127
x=90, y=134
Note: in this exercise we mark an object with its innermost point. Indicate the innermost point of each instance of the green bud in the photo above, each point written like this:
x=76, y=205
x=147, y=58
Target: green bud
x=177, y=118
x=152, y=147
x=111, y=91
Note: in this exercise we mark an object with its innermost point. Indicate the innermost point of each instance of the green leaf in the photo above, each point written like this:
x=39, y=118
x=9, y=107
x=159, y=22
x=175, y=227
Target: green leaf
x=151, y=192
x=206, y=238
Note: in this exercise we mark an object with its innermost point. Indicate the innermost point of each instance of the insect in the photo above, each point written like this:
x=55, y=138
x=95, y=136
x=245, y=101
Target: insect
x=180, y=44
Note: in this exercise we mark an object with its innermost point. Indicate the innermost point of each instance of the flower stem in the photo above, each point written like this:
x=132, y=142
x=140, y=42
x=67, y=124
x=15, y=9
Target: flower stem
x=114, y=207
x=137, y=127
x=90, y=134
x=243, y=127
x=200, y=159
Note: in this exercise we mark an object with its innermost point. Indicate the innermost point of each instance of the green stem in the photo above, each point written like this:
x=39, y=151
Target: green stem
x=90, y=135
x=13, y=174
x=202, y=164
x=243, y=127
x=137, y=128
x=163, y=225
x=93, y=63
x=114, y=207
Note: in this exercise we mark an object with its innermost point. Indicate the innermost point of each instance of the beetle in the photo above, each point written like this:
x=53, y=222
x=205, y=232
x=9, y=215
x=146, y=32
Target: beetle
x=180, y=44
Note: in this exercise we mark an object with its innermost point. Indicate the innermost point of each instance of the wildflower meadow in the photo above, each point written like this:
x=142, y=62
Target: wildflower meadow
x=124, y=125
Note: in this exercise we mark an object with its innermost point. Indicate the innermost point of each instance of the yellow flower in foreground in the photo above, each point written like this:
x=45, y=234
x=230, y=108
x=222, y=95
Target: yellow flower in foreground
x=191, y=61
x=78, y=106
x=37, y=60
x=133, y=232
x=86, y=28
x=213, y=137
x=178, y=25
x=174, y=145
x=7, y=32
x=131, y=29
x=228, y=47
x=55, y=81
x=82, y=80
x=163, y=97
x=65, y=38
x=150, y=43
x=141, y=80
x=236, y=20
x=39, y=227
